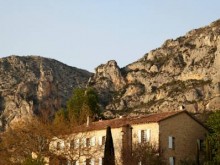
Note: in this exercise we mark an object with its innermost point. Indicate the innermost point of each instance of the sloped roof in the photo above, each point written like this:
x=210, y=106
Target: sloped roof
x=119, y=122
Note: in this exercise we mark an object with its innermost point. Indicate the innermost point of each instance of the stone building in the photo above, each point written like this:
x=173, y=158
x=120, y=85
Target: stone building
x=177, y=135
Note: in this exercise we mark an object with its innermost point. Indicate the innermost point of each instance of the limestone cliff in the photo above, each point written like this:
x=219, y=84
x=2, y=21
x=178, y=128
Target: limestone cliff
x=32, y=85
x=182, y=73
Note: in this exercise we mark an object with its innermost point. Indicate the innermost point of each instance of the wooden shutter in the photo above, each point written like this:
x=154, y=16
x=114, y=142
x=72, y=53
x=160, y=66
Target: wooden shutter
x=100, y=160
x=92, y=162
x=144, y=135
x=170, y=142
x=76, y=143
x=62, y=145
x=148, y=135
x=92, y=141
x=171, y=160
x=84, y=142
x=84, y=162
x=139, y=136
x=100, y=140
x=77, y=162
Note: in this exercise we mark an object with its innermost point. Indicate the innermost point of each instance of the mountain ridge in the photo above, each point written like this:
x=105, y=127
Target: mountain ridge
x=182, y=73
x=31, y=85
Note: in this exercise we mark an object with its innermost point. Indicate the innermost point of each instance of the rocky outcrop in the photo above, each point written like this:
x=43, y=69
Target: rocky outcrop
x=182, y=73
x=107, y=80
x=32, y=85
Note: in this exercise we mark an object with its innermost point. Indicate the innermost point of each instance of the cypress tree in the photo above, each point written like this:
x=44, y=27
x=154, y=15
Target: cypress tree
x=109, y=153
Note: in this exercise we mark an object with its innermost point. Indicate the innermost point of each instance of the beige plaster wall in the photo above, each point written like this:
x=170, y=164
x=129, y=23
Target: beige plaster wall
x=154, y=127
x=95, y=152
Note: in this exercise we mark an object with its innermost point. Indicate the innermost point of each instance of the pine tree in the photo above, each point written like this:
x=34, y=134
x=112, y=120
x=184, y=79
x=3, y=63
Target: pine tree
x=83, y=103
x=109, y=153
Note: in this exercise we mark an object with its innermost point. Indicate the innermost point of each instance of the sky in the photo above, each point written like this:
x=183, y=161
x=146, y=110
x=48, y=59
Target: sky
x=87, y=33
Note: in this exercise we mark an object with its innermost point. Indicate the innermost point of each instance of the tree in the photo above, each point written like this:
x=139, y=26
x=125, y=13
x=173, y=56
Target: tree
x=60, y=118
x=34, y=135
x=109, y=153
x=145, y=153
x=83, y=103
x=19, y=142
x=213, y=139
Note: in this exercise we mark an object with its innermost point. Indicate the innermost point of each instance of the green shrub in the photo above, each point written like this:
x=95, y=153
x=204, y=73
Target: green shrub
x=31, y=161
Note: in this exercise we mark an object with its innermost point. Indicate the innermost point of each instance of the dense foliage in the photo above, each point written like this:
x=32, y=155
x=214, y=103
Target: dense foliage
x=213, y=139
x=31, y=161
x=146, y=153
x=83, y=103
x=19, y=142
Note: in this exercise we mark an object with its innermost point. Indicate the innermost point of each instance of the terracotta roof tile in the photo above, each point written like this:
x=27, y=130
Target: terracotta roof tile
x=119, y=122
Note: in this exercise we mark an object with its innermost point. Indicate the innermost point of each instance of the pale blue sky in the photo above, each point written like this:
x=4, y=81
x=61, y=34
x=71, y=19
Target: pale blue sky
x=86, y=33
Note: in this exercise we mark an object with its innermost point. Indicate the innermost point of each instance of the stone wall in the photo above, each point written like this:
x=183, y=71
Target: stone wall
x=185, y=131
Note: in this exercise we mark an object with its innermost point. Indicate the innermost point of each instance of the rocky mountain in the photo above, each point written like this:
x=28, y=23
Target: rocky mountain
x=32, y=85
x=182, y=73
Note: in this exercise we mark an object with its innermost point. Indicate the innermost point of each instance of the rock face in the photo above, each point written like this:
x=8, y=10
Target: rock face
x=107, y=80
x=32, y=85
x=182, y=73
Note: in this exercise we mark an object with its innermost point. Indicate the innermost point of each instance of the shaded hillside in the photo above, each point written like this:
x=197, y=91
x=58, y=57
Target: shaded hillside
x=182, y=73
x=32, y=85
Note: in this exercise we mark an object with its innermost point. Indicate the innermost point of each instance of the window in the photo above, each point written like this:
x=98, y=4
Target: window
x=87, y=142
x=74, y=162
x=200, y=144
x=101, y=140
x=74, y=144
x=171, y=142
x=171, y=160
x=60, y=145
x=89, y=162
x=144, y=136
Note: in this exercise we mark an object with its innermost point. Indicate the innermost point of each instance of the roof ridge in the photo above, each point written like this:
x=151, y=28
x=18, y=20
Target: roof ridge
x=120, y=122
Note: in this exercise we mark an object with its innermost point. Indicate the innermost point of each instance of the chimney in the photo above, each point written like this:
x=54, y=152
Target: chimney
x=100, y=119
x=181, y=107
x=88, y=121
x=126, y=143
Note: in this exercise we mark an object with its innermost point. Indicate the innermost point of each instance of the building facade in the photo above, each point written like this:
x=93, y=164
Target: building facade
x=176, y=135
